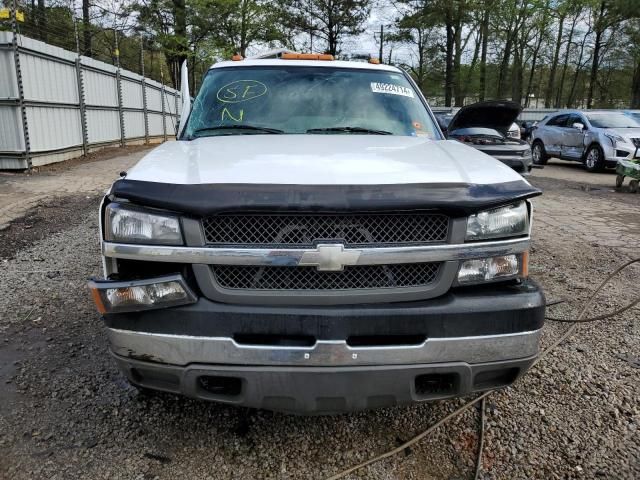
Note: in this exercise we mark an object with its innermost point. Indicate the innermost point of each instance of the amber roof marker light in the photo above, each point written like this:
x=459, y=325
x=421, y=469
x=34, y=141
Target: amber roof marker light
x=307, y=56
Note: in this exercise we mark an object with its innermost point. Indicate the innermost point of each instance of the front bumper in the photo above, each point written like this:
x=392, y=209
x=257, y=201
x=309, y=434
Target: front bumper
x=323, y=390
x=310, y=359
x=522, y=165
x=622, y=151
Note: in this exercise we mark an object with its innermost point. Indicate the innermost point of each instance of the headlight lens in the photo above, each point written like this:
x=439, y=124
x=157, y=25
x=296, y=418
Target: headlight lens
x=615, y=138
x=163, y=292
x=508, y=221
x=482, y=270
x=136, y=226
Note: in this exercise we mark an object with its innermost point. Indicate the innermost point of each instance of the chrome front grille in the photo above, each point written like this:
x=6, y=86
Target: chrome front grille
x=309, y=278
x=306, y=229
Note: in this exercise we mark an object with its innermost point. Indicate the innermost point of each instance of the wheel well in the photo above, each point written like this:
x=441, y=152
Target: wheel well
x=592, y=144
x=539, y=142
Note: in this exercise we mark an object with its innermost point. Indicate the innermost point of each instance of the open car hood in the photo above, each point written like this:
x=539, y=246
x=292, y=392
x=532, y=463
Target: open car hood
x=496, y=114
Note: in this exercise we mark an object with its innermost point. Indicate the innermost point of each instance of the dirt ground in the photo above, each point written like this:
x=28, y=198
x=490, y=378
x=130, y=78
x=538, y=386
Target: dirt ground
x=65, y=411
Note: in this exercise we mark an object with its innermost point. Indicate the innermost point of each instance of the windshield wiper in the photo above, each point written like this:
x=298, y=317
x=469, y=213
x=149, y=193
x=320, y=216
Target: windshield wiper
x=349, y=129
x=254, y=128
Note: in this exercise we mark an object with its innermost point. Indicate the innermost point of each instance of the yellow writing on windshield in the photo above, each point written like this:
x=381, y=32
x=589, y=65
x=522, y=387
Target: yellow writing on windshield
x=226, y=113
x=241, y=91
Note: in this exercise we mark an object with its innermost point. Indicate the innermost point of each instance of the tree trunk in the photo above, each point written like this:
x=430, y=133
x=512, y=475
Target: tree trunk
x=517, y=74
x=595, y=64
x=42, y=21
x=554, y=65
x=570, y=98
x=635, y=88
x=180, y=32
x=457, y=77
x=448, y=74
x=534, y=60
x=483, y=55
x=421, y=60
x=474, y=61
x=565, y=65
x=86, y=29
x=504, y=66
x=244, y=41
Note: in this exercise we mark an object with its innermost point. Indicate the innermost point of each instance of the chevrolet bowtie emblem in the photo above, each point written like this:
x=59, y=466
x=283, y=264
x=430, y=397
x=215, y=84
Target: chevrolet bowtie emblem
x=330, y=257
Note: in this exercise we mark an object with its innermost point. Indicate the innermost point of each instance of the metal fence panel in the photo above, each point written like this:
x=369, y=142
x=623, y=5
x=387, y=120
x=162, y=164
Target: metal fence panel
x=154, y=98
x=61, y=92
x=100, y=88
x=131, y=94
x=53, y=128
x=133, y=125
x=8, y=85
x=155, y=124
x=11, y=137
x=48, y=78
x=103, y=126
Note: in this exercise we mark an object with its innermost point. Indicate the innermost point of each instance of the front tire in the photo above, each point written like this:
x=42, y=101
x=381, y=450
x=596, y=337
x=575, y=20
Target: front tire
x=594, y=159
x=540, y=156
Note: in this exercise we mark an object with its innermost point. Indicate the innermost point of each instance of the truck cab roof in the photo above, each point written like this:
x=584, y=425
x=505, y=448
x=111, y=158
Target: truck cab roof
x=271, y=62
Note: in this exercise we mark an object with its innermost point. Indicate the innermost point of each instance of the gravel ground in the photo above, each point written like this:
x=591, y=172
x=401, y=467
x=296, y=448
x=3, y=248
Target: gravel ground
x=65, y=411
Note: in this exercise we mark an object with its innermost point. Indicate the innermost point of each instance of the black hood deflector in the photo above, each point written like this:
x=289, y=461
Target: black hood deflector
x=496, y=114
x=456, y=199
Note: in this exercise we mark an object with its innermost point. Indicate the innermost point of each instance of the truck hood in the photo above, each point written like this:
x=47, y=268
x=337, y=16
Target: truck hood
x=319, y=173
x=496, y=114
x=318, y=160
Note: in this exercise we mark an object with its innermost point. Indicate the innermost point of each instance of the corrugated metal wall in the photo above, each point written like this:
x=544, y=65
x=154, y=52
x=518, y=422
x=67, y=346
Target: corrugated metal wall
x=60, y=91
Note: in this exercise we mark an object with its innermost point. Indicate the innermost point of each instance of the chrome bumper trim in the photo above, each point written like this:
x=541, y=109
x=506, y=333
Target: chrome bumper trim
x=184, y=349
x=293, y=257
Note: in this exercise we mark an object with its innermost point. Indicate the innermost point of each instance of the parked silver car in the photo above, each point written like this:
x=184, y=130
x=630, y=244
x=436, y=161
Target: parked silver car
x=597, y=138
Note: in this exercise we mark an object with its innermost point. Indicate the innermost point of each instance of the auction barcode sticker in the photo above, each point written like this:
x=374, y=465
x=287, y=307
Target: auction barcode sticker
x=378, y=87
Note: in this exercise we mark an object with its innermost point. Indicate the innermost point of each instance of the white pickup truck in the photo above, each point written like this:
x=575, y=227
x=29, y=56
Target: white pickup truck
x=311, y=243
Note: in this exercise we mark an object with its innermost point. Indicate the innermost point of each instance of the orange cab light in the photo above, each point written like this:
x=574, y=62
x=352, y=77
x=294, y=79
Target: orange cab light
x=237, y=57
x=306, y=56
x=375, y=61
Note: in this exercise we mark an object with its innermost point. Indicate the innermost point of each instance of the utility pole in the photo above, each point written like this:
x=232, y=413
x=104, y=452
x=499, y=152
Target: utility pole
x=381, y=42
x=141, y=55
x=117, y=50
x=75, y=32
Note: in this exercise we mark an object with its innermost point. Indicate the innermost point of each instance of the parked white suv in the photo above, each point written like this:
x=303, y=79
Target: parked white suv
x=597, y=138
x=312, y=244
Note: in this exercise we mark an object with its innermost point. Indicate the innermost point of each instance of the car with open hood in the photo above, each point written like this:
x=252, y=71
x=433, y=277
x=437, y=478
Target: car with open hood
x=312, y=244
x=486, y=126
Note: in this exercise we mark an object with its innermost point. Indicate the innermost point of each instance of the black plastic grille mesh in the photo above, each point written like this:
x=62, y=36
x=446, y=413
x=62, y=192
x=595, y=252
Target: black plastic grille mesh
x=309, y=278
x=636, y=142
x=304, y=230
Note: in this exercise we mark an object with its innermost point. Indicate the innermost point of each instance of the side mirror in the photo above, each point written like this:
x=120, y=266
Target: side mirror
x=578, y=126
x=186, y=98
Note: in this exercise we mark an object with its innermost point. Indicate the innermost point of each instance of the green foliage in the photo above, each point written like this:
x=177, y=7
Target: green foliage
x=572, y=52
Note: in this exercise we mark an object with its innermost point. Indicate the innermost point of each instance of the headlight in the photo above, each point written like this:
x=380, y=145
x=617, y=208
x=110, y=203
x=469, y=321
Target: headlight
x=508, y=221
x=128, y=225
x=615, y=138
x=493, y=269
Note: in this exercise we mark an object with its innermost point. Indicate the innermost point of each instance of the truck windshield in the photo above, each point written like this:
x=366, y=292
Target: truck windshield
x=267, y=100
x=612, y=120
